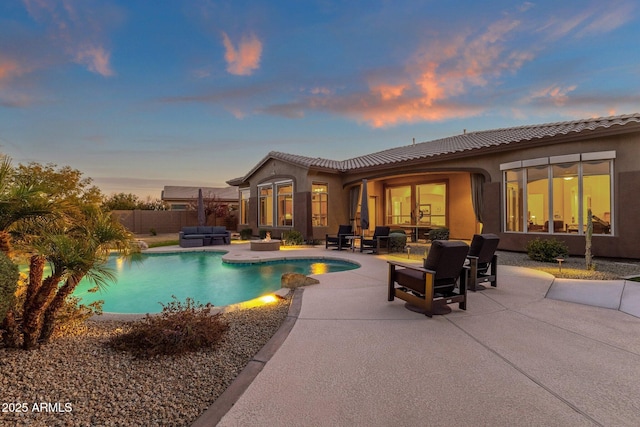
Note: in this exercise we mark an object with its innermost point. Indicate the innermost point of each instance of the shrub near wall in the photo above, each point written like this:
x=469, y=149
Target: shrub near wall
x=547, y=250
x=397, y=241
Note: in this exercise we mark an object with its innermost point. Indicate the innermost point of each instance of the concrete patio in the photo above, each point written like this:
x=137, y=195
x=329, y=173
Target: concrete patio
x=515, y=357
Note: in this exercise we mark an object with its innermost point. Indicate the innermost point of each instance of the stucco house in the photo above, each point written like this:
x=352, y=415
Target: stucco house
x=520, y=183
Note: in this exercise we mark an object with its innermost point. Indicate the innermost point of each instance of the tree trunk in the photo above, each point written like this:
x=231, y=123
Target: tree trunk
x=33, y=314
x=587, y=253
x=49, y=321
x=36, y=273
x=5, y=242
x=10, y=334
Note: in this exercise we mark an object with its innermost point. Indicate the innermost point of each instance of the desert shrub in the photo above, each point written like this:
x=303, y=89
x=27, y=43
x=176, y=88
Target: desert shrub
x=262, y=233
x=180, y=328
x=153, y=232
x=246, y=233
x=439, y=234
x=72, y=316
x=397, y=241
x=292, y=238
x=8, y=284
x=546, y=250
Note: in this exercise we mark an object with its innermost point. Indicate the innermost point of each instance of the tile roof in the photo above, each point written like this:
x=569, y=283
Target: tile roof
x=485, y=139
x=454, y=144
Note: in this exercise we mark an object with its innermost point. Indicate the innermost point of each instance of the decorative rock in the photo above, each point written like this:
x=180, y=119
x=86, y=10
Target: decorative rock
x=295, y=280
x=142, y=245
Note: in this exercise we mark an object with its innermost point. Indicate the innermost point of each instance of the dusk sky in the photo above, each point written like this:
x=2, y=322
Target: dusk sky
x=142, y=94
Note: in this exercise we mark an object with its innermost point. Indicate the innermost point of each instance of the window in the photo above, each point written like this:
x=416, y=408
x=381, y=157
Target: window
x=565, y=198
x=244, y=206
x=513, y=202
x=432, y=204
x=538, y=198
x=285, y=204
x=265, y=205
x=279, y=209
x=559, y=195
x=319, y=205
x=419, y=205
x=399, y=205
x=596, y=189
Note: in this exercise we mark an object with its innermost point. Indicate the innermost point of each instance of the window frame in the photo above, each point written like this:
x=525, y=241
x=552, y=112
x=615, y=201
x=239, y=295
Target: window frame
x=320, y=219
x=578, y=218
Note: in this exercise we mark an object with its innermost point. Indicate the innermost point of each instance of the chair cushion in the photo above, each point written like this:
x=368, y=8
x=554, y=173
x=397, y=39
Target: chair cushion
x=205, y=229
x=484, y=246
x=446, y=258
x=381, y=231
x=345, y=229
x=219, y=230
x=190, y=230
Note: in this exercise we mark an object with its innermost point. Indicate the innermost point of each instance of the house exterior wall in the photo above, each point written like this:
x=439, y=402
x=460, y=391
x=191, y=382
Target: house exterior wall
x=626, y=176
x=456, y=169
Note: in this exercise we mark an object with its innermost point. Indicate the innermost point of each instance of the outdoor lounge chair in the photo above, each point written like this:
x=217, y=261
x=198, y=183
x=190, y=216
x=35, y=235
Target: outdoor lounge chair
x=428, y=290
x=483, y=261
x=339, y=241
x=379, y=240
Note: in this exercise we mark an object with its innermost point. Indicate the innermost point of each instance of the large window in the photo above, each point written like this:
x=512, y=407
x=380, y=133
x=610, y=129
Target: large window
x=399, y=205
x=244, y=206
x=538, y=197
x=275, y=203
x=420, y=204
x=285, y=204
x=265, y=205
x=319, y=204
x=513, y=202
x=559, y=193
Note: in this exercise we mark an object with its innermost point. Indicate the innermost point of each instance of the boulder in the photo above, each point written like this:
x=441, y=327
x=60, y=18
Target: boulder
x=295, y=280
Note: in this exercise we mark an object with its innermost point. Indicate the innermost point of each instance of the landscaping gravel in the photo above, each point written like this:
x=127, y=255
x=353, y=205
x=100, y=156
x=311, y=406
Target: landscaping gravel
x=575, y=267
x=79, y=381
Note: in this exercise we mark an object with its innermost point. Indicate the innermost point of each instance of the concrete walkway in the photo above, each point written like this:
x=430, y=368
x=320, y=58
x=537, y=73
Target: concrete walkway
x=515, y=357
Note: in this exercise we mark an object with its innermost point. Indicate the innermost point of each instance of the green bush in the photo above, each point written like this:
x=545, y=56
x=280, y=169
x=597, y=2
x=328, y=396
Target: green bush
x=397, y=241
x=246, y=233
x=178, y=329
x=439, y=234
x=292, y=238
x=546, y=250
x=8, y=284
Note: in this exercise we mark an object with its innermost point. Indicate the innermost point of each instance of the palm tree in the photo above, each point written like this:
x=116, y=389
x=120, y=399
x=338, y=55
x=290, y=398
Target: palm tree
x=73, y=250
x=18, y=201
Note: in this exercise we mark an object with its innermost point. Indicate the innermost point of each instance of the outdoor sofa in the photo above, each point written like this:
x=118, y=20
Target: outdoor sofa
x=203, y=235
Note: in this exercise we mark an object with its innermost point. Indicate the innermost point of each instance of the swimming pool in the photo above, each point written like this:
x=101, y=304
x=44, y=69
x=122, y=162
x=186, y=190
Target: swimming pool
x=141, y=286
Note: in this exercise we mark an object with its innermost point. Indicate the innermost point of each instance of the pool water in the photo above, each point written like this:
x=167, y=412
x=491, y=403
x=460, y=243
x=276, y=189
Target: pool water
x=202, y=276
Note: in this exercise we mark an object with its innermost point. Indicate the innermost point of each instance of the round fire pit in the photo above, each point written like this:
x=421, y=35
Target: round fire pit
x=265, y=245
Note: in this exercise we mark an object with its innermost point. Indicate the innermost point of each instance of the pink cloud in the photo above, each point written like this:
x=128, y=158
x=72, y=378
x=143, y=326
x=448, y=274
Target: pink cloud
x=556, y=94
x=96, y=59
x=9, y=69
x=438, y=74
x=74, y=33
x=245, y=59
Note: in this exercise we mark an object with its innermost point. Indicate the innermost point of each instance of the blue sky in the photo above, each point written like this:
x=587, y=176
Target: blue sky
x=139, y=94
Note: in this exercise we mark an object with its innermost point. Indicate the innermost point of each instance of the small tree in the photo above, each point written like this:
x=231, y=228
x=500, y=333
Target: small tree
x=121, y=201
x=75, y=240
x=587, y=254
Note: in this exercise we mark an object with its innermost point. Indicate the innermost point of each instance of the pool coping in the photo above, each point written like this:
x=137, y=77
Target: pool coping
x=239, y=385
x=238, y=253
